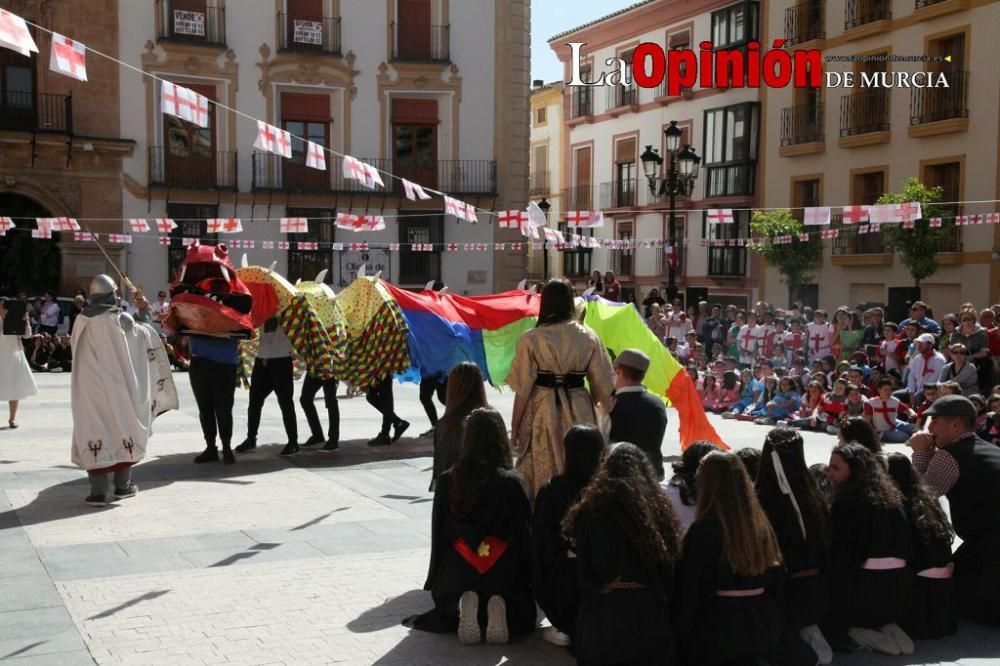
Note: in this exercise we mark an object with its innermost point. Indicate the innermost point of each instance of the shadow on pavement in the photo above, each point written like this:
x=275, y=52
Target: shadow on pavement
x=390, y=612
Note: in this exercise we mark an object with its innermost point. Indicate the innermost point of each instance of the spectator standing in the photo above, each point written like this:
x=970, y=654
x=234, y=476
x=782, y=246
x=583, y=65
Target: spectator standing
x=48, y=317
x=612, y=287
x=17, y=383
x=652, y=298
x=161, y=308
x=637, y=416
x=79, y=302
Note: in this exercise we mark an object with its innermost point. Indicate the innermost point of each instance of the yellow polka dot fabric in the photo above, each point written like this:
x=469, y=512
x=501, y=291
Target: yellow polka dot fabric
x=283, y=289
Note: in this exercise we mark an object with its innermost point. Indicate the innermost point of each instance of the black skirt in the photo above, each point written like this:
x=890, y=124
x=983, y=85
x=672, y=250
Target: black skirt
x=624, y=627
x=868, y=598
x=807, y=600
x=931, y=612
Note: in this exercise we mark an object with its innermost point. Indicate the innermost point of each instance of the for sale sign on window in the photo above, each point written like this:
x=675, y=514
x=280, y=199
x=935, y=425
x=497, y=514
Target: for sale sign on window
x=189, y=23
x=308, y=32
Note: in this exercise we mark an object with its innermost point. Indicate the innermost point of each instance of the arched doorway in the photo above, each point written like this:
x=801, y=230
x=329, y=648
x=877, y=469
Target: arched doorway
x=26, y=264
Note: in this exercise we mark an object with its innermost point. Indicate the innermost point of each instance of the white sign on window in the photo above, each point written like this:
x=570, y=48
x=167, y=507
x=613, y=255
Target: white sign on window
x=308, y=32
x=189, y=23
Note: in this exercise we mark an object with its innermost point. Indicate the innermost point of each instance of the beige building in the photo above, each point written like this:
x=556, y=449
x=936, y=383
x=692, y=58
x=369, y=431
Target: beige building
x=435, y=91
x=546, y=169
x=838, y=146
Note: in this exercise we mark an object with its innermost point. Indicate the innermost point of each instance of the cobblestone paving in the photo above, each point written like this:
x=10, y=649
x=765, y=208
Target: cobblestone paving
x=310, y=560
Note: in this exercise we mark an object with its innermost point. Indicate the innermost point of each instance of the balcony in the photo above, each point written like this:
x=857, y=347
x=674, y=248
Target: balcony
x=308, y=35
x=930, y=105
x=801, y=124
x=619, y=194
x=864, y=118
x=580, y=197
x=581, y=104
x=621, y=98
x=273, y=172
x=538, y=183
x=862, y=12
x=36, y=112
x=727, y=262
x=730, y=180
x=465, y=176
x=191, y=22
x=804, y=22
x=198, y=170
x=420, y=43
x=622, y=263
x=850, y=242
x=662, y=96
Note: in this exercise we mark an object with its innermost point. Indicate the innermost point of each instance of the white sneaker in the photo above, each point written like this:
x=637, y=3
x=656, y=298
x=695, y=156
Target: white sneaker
x=556, y=637
x=897, y=634
x=469, y=632
x=728, y=415
x=496, y=621
x=872, y=639
x=814, y=637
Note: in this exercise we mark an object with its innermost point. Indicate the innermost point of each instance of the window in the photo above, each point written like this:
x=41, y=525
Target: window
x=420, y=267
x=625, y=173
x=805, y=194
x=735, y=25
x=866, y=188
x=17, y=91
x=540, y=115
x=947, y=176
x=576, y=262
x=622, y=260
x=727, y=261
x=581, y=194
x=305, y=264
x=306, y=116
x=731, y=136
x=192, y=222
x=414, y=127
x=189, y=150
x=198, y=21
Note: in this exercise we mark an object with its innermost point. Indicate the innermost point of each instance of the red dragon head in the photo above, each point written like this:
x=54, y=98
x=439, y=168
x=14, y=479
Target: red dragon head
x=208, y=297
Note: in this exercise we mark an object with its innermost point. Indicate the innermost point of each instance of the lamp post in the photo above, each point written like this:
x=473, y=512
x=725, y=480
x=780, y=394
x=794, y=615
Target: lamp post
x=682, y=171
x=545, y=206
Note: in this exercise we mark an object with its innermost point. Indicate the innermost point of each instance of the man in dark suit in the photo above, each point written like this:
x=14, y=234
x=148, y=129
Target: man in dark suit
x=638, y=417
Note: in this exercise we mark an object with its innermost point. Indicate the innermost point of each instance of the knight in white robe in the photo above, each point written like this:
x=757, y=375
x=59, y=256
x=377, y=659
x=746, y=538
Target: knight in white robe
x=121, y=382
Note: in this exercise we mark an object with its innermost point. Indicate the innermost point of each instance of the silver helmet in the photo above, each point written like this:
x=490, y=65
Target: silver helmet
x=102, y=290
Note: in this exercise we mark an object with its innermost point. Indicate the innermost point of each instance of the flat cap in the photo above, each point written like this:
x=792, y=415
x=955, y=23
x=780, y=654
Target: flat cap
x=633, y=358
x=952, y=405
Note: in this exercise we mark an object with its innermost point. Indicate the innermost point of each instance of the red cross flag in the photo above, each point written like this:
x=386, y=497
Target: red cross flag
x=804, y=238
x=315, y=156
x=529, y=230
x=585, y=218
x=934, y=222
x=855, y=214
x=414, y=191
x=816, y=216
x=908, y=224
x=184, y=103
x=60, y=223
x=827, y=234
x=512, y=219
x=452, y=247
x=366, y=174
x=884, y=214
x=229, y=225
x=393, y=247
x=271, y=139
x=124, y=239
x=294, y=225
x=359, y=247
x=460, y=209
x=975, y=219
x=6, y=224
x=360, y=222
x=961, y=220
x=910, y=211
x=164, y=240
x=249, y=244
x=671, y=254
x=308, y=245
x=68, y=57
x=138, y=225
x=553, y=235
x=14, y=34
x=720, y=216
x=283, y=245
x=992, y=218
x=267, y=245
x=83, y=236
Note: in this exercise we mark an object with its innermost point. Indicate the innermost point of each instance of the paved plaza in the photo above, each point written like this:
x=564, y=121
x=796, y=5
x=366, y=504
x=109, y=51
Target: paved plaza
x=308, y=560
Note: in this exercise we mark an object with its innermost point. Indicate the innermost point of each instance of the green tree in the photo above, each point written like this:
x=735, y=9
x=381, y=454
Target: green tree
x=918, y=247
x=793, y=260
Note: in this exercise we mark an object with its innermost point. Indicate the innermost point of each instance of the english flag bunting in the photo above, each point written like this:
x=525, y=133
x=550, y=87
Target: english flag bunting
x=910, y=211
x=460, y=209
x=360, y=222
x=165, y=225
x=884, y=214
x=138, y=225
x=308, y=245
x=44, y=229
x=6, y=224
x=59, y=223
x=124, y=239
x=14, y=34
x=512, y=219
x=720, y=216
x=267, y=245
x=414, y=191
x=816, y=216
x=294, y=225
x=68, y=57
x=230, y=225
x=315, y=156
x=671, y=254
x=536, y=216
x=83, y=236
x=164, y=240
x=934, y=222
x=855, y=214
x=272, y=139
x=184, y=103
x=366, y=174
x=585, y=218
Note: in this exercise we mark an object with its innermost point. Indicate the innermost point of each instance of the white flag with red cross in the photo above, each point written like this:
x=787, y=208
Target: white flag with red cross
x=83, y=236
x=360, y=222
x=910, y=211
x=414, y=191
x=553, y=235
x=992, y=218
x=358, y=247
x=68, y=57
x=460, y=209
x=512, y=219
x=884, y=214
x=294, y=225
x=273, y=139
x=228, y=225
x=827, y=234
x=855, y=214
x=124, y=239
x=585, y=218
x=529, y=230
x=393, y=247
x=720, y=216
x=934, y=222
x=138, y=225
x=14, y=34
x=267, y=245
x=671, y=253
x=816, y=216
x=249, y=244
x=164, y=240
x=60, y=223
x=366, y=174
x=184, y=103
x=165, y=225
x=308, y=245
x=451, y=247
x=804, y=238
x=315, y=156
x=284, y=245
x=6, y=224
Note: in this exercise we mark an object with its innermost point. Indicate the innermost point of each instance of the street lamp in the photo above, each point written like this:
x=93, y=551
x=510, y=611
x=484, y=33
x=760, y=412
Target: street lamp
x=681, y=173
x=545, y=206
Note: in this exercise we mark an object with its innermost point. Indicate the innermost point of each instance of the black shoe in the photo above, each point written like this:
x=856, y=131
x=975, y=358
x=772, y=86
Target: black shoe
x=330, y=446
x=381, y=440
x=210, y=454
x=247, y=445
x=290, y=449
x=227, y=456
x=125, y=493
x=313, y=440
x=399, y=429
x=427, y=435
x=96, y=500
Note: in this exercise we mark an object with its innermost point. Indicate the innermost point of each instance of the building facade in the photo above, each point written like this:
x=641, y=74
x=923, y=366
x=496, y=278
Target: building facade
x=61, y=149
x=607, y=129
x=433, y=91
x=841, y=146
x=546, y=173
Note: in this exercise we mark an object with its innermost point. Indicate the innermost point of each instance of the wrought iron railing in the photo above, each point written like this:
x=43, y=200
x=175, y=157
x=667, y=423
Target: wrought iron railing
x=308, y=34
x=864, y=112
x=805, y=21
x=619, y=194
x=538, y=183
x=862, y=12
x=466, y=176
x=801, y=124
x=428, y=43
x=190, y=22
x=36, y=112
x=726, y=180
x=273, y=172
x=581, y=103
x=621, y=96
x=211, y=170
x=928, y=105
x=849, y=241
x=580, y=197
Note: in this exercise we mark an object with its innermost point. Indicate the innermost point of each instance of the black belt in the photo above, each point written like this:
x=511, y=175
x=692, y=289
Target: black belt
x=571, y=380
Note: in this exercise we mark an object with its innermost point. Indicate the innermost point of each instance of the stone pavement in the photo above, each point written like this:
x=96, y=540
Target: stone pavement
x=313, y=559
